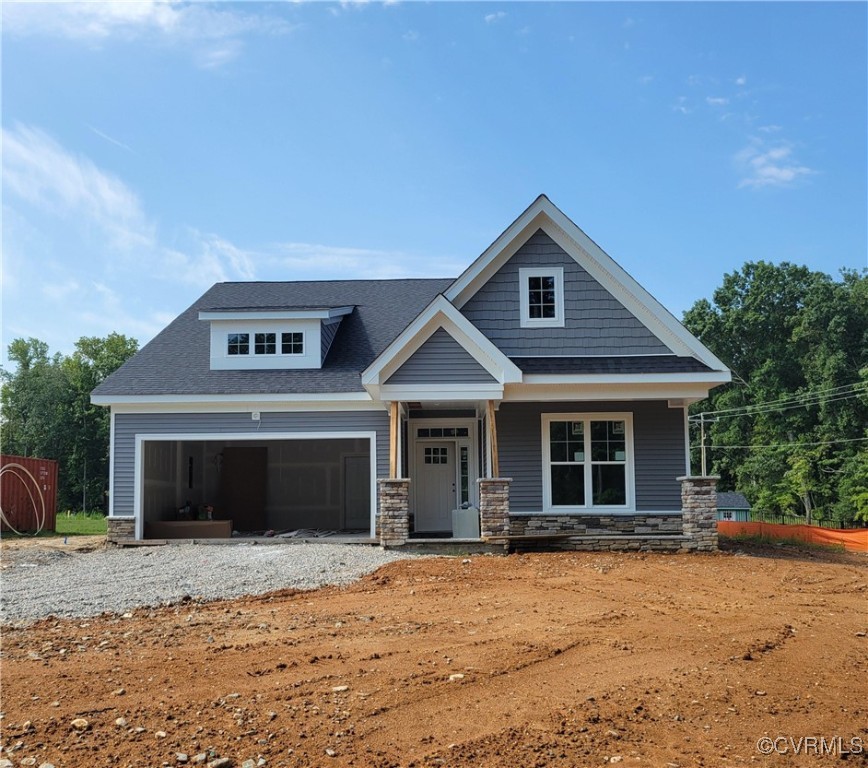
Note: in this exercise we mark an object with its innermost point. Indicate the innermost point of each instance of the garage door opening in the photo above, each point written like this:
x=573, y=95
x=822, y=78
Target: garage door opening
x=261, y=486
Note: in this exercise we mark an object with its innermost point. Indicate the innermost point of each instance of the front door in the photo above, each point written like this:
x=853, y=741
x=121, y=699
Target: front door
x=435, y=485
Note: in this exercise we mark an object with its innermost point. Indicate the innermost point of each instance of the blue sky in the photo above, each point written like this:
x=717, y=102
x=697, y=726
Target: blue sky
x=150, y=150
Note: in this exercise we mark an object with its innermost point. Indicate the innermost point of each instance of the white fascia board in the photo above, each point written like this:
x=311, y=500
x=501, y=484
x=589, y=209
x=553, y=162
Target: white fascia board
x=440, y=392
x=279, y=401
x=545, y=215
x=494, y=256
x=275, y=314
x=605, y=391
x=441, y=314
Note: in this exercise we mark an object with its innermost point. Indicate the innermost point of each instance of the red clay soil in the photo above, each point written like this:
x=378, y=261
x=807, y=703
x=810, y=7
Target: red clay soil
x=534, y=660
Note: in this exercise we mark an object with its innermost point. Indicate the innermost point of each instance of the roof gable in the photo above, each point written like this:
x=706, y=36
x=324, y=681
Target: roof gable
x=544, y=215
x=440, y=314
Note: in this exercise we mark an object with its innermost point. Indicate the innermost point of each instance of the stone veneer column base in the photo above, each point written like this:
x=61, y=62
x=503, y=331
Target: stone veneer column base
x=120, y=529
x=494, y=507
x=699, y=511
x=393, y=518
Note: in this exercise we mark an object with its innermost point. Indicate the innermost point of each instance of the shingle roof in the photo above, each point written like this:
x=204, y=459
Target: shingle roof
x=732, y=500
x=177, y=360
x=623, y=365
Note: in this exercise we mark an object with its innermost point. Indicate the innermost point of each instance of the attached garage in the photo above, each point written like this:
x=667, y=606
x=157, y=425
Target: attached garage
x=292, y=471
x=258, y=485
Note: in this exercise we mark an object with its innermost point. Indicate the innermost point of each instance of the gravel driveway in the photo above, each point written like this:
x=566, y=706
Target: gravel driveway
x=44, y=582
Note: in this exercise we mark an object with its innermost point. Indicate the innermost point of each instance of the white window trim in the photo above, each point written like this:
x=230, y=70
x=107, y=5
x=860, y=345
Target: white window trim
x=524, y=274
x=251, y=344
x=588, y=507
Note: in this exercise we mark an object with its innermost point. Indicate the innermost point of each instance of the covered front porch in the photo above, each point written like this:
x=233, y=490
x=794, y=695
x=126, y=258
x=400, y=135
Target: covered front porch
x=444, y=480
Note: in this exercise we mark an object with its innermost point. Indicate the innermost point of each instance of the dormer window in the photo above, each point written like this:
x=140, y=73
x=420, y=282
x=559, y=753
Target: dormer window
x=265, y=344
x=292, y=343
x=271, y=338
x=239, y=344
x=542, y=297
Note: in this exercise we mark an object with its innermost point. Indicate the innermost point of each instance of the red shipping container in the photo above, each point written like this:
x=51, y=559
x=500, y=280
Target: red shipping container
x=26, y=486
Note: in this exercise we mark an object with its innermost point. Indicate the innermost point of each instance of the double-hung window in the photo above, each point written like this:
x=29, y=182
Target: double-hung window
x=587, y=462
x=541, y=300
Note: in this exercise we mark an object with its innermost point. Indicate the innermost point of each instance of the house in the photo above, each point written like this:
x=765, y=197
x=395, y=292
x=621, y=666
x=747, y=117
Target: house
x=541, y=396
x=733, y=506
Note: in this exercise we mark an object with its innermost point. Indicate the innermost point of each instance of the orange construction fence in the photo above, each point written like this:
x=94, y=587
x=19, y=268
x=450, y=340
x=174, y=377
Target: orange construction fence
x=855, y=540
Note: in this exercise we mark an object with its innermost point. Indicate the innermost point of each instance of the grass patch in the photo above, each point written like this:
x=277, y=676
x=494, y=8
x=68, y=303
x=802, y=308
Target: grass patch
x=69, y=524
x=80, y=524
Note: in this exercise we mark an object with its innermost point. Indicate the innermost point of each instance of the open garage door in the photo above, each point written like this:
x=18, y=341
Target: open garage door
x=259, y=485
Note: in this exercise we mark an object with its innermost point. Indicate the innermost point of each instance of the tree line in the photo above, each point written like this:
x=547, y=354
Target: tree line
x=47, y=413
x=791, y=430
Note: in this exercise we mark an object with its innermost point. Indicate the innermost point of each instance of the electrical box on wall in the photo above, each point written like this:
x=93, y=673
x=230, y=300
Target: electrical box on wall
x=255, y=415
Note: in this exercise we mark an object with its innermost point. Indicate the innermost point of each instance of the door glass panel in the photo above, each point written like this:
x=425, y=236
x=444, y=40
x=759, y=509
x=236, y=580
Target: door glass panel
x=465, y=475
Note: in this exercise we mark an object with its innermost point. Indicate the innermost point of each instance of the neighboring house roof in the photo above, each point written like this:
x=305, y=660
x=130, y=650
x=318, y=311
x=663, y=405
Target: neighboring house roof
x=177, y=362
x=731, y=500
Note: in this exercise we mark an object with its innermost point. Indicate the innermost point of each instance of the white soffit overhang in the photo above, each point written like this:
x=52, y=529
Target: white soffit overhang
x=440, y=314
x=545, y=215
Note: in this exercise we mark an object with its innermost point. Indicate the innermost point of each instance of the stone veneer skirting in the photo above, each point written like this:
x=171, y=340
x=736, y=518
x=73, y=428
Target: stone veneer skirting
x=586, y=525
x=120, y=529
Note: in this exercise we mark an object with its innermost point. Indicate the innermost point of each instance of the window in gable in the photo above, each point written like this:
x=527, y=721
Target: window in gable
x=542, y=297
x=292, y=343
x=265, y=344
x=238, y=344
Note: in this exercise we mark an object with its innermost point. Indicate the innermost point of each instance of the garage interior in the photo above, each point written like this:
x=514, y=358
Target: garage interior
x=261, y=486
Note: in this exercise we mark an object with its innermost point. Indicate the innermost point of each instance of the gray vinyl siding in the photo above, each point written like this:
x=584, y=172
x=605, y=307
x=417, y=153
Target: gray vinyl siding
x=595, y=322
x=127, y=426
x=440, y=360
x=327, y=335
x=658, y=443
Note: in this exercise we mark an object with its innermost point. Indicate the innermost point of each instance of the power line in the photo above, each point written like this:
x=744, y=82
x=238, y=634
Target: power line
x=787, y=445
x=800, y=400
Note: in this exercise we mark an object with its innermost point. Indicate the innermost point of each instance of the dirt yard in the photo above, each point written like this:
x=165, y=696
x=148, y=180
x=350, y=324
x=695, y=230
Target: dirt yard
x=534, y=660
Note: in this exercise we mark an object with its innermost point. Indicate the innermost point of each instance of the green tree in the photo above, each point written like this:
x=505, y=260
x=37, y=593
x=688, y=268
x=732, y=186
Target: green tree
x=789, y=333
x=46, y=412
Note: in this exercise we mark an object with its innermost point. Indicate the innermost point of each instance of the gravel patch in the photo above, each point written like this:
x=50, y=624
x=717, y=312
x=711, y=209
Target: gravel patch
x=40, y=583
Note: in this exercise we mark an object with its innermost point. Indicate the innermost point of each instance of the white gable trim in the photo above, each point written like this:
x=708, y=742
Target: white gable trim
x=439, y=314
x=543, y=214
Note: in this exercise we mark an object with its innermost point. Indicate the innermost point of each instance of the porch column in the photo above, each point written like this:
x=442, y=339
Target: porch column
x=699, y=512
x=491, y=423
x=494, y=506
x=393, y=496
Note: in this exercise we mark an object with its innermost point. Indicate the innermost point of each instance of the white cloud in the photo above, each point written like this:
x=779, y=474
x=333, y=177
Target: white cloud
x=716, y=101
x=37, y=169
x=681, y=106
x=761, y=165
x=646, y=80
x=741, y=80
x=411, y=36
x=492, y=18
x=216, y=32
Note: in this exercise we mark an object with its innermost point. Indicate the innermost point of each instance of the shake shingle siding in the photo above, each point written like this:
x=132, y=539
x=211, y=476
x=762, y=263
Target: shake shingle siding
x=440, y=360
x=658, y=441
x=233, y=426
x=595, y=322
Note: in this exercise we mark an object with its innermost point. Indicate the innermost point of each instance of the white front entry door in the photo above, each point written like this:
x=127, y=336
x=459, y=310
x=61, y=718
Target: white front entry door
x=435, y=485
